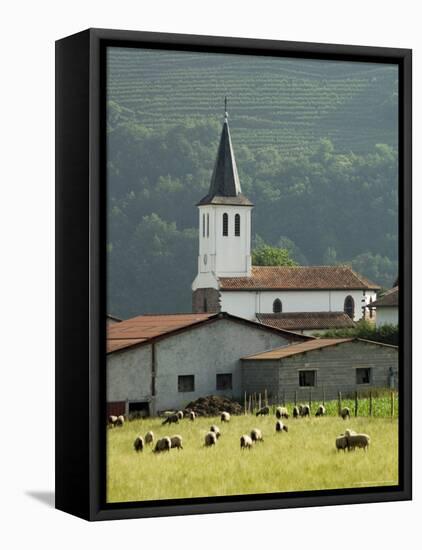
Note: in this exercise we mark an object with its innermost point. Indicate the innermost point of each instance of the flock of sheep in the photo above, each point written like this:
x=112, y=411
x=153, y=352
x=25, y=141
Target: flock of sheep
x=350, y=440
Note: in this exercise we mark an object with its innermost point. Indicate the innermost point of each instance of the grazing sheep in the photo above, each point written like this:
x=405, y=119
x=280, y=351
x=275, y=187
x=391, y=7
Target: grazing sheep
x=280, y=427
x=300, y=408
x=256, y=435
x=341, y=443
x=173, y=418
x=112, y=421
x=120, y=421
x=305, y=411
x=163, y=444
x=345, y=413
x=263, y=411
x=320, y=411
x=354, y=440
x=281, y=412
x=225, y=417
x=192, y=415
x=216, y=430
x=138, y=444
x=176, y=442
x=245, y=442
x=210, y=439
x=180, y=415
x=296, y=412
x=149, y=438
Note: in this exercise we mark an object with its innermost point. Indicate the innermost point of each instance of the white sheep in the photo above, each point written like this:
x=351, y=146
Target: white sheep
x=176, y=442
x=245, y=442
x=172, y=418
x=216, y=430
x=280, y=427
x=225, y=416
x=149, y=438
x=138, y=444
x=112, y=421
x=354, y=440
x=296, y=412
x=192, y=415
x=120, y=421
x=345, y=413
x=256, y=435
x=305, y=410
x=210, y=439
x=281, y=412
x=163, y=444
x=180, y=415
x=320, y=411
x=263, y=411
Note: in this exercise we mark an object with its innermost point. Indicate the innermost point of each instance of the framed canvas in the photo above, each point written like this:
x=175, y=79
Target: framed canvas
x=233, y=224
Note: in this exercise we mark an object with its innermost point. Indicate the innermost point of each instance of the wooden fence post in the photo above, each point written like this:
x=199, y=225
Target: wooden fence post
x=244, y=402
x=392, y=404
x=284, y=398
x=250, y=403
x=339, y=402
x=295, y=398
x=310, y=401
x=323, y=396
x=370, y=403
x=356, y=403
x=266, y=398
x=259, y=401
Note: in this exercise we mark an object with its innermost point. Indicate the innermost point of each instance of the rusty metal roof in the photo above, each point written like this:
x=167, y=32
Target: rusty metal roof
x=295, y=349
x=306, y=320
x=299, y=278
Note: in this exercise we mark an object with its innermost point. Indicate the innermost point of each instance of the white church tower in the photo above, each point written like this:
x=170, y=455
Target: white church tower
x=224, y=229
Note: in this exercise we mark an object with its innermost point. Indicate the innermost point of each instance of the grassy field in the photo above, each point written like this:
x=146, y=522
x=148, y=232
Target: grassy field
x=303, y=459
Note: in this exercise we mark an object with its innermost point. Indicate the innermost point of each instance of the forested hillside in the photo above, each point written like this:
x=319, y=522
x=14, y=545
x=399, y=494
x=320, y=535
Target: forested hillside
x=315, y=145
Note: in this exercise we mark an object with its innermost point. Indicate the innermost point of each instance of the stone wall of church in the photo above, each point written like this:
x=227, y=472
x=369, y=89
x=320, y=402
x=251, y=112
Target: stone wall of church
x=206, y=300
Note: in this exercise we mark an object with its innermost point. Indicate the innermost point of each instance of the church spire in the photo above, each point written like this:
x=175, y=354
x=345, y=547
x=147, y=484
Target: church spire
x=225, y=183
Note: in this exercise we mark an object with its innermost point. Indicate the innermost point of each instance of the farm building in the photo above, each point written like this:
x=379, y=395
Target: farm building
x=226, y=279
x=321, y=368
x=159, y=362
x=387, y=307
x=308, y=322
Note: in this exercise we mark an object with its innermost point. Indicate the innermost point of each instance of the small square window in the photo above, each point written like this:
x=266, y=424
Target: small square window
x=186, y=383
x=307, y=378
x=224, y=381
x=363, y=376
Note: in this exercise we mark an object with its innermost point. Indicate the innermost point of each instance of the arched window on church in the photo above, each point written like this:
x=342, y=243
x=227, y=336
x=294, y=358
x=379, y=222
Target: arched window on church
x=349, y=307
x=237, y=225
x=225, y=224
x=208, y=225
x=277, y=306
x=203, y=225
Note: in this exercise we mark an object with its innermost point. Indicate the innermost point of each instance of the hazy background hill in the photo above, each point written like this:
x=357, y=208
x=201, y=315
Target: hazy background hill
x=316, y=147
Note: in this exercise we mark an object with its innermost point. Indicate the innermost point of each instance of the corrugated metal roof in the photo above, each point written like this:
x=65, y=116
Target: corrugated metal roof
x=295, y=349
x=299, y=278
x=306, y=320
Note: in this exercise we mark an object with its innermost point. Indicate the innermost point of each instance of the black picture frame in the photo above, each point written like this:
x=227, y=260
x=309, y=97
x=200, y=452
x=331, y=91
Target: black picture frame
x=81, y=285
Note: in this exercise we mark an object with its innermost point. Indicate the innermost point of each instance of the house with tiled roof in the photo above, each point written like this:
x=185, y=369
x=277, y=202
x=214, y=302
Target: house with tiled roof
x=387, y=307
x=227, y=280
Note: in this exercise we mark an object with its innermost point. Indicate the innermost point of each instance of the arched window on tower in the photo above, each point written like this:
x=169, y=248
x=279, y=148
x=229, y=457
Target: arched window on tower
x=225, y=224
x=277, y=306
x=237, y=225
x=349, y=307
x=203, y=225
x=208, y=225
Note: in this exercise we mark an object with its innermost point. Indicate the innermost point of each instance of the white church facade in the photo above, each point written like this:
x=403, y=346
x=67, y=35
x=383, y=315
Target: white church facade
x=283, y=296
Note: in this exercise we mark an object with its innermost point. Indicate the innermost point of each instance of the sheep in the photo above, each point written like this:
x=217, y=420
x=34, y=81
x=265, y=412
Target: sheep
x=216, y=430
x=341, y=443
x=305, y=411
x=296, y=412
x=173, y=418
x=225, y=417
x=149, y=438
x=354, y=440
x=138, y=444
x=112, y=421
x=256, y=435
x=300, y=407
x=320, y=411
x=280, y=427
x=245, y=442
x=176, y=442
x=345, y=413
x=210, y=439
x=192, y=415
x=163, y=444
x=263, y=411
x=120, y=421
x=180, y=415
x=281, y=412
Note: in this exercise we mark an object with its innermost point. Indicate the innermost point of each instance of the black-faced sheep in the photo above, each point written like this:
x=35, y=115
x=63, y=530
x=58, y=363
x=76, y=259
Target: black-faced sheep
x=216, y=430
x=210, y=439
x=280, y=427
x=354, y=440
x=176, y=442
x=245, y=442
x=225, y=417
x=163, y=444
x=263, y=411
x=138, y=444
x=281, y=412
x=320, y=411
x=305, y=411
x=341, y=443
x=180, y=415
x=345, y=413
x=149, y=438
x=192, y=415
x=173, y=418
x=256, y=435
x=120, y=421
x=296, y=412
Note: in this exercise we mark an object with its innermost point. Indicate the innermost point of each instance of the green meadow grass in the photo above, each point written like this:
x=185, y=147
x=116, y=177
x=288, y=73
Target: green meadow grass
x=303, y=459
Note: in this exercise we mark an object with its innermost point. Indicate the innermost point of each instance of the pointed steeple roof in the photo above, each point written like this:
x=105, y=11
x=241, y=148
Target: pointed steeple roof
x=225, y=183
